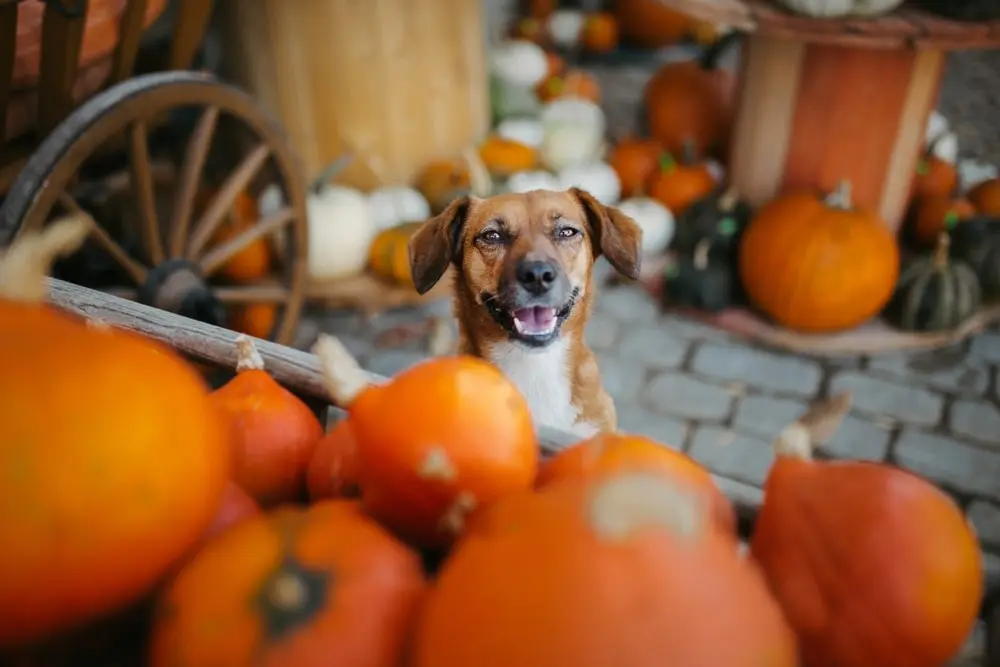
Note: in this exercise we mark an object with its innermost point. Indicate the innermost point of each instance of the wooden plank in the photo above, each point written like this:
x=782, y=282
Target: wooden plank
x=8, y=53
x=62, y=37
x=130, y=31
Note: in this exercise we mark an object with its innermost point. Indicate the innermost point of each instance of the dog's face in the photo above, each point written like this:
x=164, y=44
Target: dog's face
x=526, y=257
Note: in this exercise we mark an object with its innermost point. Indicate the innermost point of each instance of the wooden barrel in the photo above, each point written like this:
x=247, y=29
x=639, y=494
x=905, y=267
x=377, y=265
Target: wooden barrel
x=810, y=114
x=396, y=82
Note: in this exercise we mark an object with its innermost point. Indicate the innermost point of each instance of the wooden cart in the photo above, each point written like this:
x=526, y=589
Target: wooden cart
x=162, y=161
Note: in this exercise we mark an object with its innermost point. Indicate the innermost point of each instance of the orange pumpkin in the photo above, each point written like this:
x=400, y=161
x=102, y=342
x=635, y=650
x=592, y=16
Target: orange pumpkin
x=253, y=319
x=933, y=214
x=236, y=506
x=254, y=261
x=307, y=587
x=677, y=185
x=609, y=453
x=600, y=33
x=333, y=471
x=557, y=65
x=872, y=564
x=274, y=432
x=440, y=440
x=624, y=570
x=444, y=181
x=635, y=161
x=651, y=24
x=114, y=457
x=572, y=83
x=934, y=176
x=986, y=197
x=782, y=273
x=686, y=102
x=389, y=255
x=502, y=157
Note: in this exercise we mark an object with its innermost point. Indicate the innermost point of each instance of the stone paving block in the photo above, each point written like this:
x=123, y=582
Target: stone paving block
x=958, y=465
x=986, y=346
x=691, y=329
x=858, y=439
x=642, y=421
x=623, y=379
x=654, y=345
x=883, y=398
x=751, y=366
x=688, y=397
x=739, y=492
x=390, y=362
x=601, y=332
x=744, y=458
x=985, y=516
x=628, y=304
x=977, y=420
x=965, y=377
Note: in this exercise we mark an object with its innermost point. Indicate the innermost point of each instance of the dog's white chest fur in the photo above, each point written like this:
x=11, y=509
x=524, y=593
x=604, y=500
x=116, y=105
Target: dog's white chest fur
x=543, y=377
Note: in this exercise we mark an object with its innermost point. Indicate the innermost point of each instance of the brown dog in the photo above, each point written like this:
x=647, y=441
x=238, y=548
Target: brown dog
x=523, y=291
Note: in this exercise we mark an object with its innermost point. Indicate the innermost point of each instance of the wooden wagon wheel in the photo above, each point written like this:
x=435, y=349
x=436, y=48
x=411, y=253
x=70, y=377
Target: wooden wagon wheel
x=179, y=263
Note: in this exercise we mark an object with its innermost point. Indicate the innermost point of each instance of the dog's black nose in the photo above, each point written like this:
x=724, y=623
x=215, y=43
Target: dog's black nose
x=536, y=276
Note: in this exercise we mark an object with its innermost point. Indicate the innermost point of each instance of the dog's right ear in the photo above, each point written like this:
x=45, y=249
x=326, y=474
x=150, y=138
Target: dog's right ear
x=436, y=244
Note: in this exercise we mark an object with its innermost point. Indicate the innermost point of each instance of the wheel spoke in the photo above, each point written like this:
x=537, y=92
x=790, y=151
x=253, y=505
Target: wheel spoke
x=134, y=269
x=142, y=185
x=190, y=178
x=268, y=292
x=236, y=183
x=215, y=259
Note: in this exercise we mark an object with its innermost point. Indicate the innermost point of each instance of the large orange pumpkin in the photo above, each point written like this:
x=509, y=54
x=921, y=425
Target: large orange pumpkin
x=818, y=265
x=333, y=471
x=635, y=161
x=309, y=587
x=437, y=442
x=625, y=570
x=872, y=564
x=986, y=197
x=608, y=453
x=114, y=458
x=274, y=432
x=652, y=24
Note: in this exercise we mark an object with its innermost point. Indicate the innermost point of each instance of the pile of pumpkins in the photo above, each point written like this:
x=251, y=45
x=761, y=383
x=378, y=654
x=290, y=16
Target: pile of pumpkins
x=424, y=530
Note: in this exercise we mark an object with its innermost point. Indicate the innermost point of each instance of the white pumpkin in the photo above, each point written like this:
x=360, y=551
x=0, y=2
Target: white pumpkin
x=597, y=178
x=572, y=133
x=655, y=220
x=828, y=9
x=936, y=124
x=526, y=181
x=565, y=27
x=341, y=230
x=393, y=205
x=527, y=131
x=518, y=62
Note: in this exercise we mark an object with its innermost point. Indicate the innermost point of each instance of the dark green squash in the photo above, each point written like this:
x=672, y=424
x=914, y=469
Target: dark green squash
x=707, y=279
x=935, y=293
x=720, y=217
x=977, y=243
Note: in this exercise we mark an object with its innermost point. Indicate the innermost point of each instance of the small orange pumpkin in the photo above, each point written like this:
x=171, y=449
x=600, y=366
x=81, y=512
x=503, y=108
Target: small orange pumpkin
x=389, y=256
x=333, y=471
x=986, y=197
x=651, y=24
x=502, y=157
x=274, y=432
x=635, y=161
x=872, y=564
x=624, y=570
x=557, y=65
x=440, y=440
x=686, y=102
x=309, y=587
x=443, y=181
x=254, y=261
x=236, y=506
x=572, y=83
x=253, y=319
x=678, y=185
x=600, y=33
x=113, y=454
x=609, y=453
x=934, y=176
x=935, y=213
x=781, y=273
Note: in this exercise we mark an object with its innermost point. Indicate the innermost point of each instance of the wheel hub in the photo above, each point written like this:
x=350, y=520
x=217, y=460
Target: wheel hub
x=177, y=286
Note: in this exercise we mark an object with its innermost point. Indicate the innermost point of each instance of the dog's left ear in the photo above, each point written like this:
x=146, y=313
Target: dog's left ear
x=614, y=234
x=435, y=244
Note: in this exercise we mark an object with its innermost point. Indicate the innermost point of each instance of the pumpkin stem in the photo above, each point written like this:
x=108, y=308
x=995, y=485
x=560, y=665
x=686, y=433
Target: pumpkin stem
x=700, y=254
x=343, y=376
x=247, y=356
x=626, y=504
x=25, y=264
x=288, y=592
x=840, y=197
x=480, y=182
x=816, y=424
x=728, y=199
x=667, y=163
x=941, y=250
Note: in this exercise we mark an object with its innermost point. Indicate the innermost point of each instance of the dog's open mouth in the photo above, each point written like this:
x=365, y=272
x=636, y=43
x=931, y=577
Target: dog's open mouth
x=535, y=320
x=533, y=325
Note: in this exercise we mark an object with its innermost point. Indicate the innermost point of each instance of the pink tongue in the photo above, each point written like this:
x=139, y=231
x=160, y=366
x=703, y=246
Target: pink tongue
x=535, y=319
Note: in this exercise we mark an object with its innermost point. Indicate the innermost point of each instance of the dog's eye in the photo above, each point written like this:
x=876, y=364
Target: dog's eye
x=567, y=232
x=491, y=236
